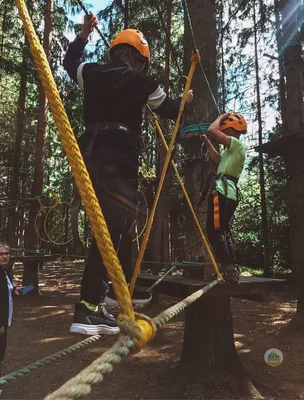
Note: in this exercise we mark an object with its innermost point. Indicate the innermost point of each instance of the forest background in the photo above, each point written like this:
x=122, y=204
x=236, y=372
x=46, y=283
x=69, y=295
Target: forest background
x=36, y=186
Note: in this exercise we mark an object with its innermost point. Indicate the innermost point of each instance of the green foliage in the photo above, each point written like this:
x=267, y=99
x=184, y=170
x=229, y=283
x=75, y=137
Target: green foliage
x=236, y=90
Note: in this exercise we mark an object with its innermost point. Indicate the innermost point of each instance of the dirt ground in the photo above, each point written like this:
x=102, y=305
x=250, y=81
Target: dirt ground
x=41, y=328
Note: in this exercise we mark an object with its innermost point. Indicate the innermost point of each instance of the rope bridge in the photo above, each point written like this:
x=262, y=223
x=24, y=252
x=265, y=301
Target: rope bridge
x=47, y=360
x=81, y=384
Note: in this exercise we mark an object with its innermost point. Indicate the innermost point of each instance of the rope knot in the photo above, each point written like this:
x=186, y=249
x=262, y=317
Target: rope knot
x=196, y=57
x=142, y=330
x=220, y=277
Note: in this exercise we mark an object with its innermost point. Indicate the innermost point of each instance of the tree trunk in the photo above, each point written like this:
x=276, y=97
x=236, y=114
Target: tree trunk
x=126, y=16
x=14, y=189
x=31, y=270
x=266, y=249
x=293, y=65
x=281, y=67
x=209, y=365
x=196, y=167
x=162, y=231
x=40, y=134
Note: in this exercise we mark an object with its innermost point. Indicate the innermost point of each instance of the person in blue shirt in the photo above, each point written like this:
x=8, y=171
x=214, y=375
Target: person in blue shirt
x=115, y=94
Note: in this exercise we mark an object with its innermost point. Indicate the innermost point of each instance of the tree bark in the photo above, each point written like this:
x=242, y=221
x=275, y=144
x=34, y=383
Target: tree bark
x=14, y=189
x=126, y=16
x=266, y=243
x=31, y=239
x=281, y=67
x=162, y=231
x=209, y=365
x=293, y=65
x=30, y=269
x=196, y=167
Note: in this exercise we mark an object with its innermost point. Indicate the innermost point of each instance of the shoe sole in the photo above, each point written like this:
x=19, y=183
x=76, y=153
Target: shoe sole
x=114, y=303
x=94, y=329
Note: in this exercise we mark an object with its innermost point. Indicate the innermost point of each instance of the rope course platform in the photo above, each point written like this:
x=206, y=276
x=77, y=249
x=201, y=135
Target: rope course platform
x=180, y=286
x=283, y=145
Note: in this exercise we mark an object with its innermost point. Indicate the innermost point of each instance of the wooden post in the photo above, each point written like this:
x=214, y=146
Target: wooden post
x=293, y=65
x=210, y=366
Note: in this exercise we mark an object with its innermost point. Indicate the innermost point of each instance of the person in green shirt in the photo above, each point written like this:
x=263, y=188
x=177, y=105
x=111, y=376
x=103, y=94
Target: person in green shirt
x=224, y=199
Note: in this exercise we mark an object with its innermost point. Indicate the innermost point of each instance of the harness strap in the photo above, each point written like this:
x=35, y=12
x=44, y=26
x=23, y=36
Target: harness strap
x=225, y=177
x=107, y=126
x=216, y=211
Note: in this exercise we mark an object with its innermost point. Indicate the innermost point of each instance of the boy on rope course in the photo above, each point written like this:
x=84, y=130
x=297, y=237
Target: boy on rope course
x=225, y=196
x=114, y=96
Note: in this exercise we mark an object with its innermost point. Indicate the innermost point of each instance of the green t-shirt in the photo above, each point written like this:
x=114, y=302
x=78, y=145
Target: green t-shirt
x=232, y=163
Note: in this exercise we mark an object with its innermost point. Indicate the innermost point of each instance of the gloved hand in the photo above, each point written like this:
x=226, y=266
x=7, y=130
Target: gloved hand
x=189, y=96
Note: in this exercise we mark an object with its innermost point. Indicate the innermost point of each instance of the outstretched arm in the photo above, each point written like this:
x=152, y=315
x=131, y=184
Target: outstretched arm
x=214, y=154
x=164, y=105
x=219, y=136
x=72, y=60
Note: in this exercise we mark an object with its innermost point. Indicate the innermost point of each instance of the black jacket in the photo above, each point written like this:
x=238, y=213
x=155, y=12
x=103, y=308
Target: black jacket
x=4, y=300
x=113, y=92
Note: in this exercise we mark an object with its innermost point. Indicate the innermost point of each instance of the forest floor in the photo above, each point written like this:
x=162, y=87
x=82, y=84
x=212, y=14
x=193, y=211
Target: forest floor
x=41, y=328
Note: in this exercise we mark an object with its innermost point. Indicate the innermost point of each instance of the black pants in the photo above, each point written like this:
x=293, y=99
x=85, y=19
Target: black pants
x=116, y=189
x=221, y=240
x=3, y=343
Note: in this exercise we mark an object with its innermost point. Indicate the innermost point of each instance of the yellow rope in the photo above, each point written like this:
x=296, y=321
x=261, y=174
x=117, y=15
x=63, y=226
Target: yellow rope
x=41, y=209
x=55, y=241
x=219, y=276
x=83, y=181
x=194, y=60
x=50, y=209
x=139, y=235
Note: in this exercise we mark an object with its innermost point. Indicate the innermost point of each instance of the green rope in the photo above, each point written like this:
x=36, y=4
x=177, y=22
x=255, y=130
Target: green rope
x=47, y=360
x=165, y=316
x=202, y=127
x=81, y=384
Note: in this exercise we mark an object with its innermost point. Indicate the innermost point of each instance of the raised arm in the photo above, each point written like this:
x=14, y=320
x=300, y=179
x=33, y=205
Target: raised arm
x=72, y=60
x=217, y=134
x=214, y=154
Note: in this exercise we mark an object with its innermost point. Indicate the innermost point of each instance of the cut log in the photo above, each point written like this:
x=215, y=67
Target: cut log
x=209, y=365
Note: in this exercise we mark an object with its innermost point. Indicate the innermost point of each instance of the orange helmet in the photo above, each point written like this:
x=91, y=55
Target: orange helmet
x=134, y=38
x=235, y=121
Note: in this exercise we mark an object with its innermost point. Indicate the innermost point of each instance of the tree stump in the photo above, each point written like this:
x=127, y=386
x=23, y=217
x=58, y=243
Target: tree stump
x=209, y=365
